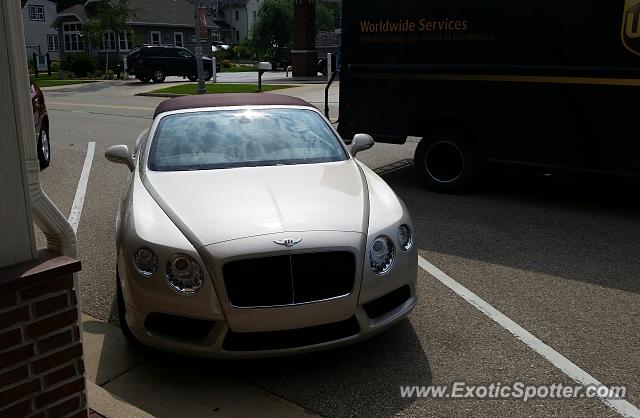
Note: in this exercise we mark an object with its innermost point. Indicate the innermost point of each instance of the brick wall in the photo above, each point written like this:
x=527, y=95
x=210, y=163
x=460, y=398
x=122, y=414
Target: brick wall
x=41, y=367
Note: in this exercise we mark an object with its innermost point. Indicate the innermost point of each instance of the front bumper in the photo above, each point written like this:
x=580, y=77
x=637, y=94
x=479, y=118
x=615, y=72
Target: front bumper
x=276, y=330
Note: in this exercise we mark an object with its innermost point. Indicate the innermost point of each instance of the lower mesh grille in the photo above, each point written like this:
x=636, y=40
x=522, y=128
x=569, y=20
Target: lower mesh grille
x=178, y=326
x=378, y=307
x=274, y=340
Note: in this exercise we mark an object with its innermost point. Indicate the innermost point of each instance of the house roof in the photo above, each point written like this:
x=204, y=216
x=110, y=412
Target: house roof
x=149, y=12
x=326, y=39
x=165, y=12
x=77, y=11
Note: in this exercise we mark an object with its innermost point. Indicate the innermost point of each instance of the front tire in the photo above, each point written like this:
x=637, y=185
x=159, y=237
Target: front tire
x=446, y=162
x=122, y=312
x=206, y=74
x=44, y=148
x=192, y=78
x=158, y=76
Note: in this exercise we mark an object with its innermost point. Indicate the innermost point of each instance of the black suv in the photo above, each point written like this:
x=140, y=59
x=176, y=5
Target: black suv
x=155, y=62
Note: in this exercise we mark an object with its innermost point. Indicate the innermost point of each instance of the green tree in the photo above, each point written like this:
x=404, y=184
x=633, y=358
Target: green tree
x=273, y=28
x=110, y=16
x=325, y=16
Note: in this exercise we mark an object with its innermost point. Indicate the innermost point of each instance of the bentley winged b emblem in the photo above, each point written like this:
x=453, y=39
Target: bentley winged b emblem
x=288, y=242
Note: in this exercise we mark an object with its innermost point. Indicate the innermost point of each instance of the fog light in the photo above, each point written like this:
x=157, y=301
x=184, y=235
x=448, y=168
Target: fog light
x=184, y=275
x=145, y=262
x=405, y=237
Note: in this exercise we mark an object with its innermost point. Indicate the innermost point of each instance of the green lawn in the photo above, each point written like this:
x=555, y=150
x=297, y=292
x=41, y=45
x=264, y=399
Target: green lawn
x=50, y=83
x=192, y=88
x=43, y=75
x=44, y=80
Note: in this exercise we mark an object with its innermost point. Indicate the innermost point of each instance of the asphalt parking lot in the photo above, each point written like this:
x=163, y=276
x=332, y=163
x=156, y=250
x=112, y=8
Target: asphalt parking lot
x=558, y=257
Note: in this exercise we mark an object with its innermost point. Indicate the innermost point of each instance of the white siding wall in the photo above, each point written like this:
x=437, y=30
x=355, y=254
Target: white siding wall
x=252, y=9
x=36, y=32
x=245, y=19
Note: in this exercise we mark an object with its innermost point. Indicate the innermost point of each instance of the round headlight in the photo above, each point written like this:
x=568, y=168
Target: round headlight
x=145, y=262
x=381, y=255
x=405, y=237
x=183, y=274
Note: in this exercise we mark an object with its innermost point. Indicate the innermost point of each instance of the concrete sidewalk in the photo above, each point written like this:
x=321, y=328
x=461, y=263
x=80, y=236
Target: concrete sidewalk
x=126, y=382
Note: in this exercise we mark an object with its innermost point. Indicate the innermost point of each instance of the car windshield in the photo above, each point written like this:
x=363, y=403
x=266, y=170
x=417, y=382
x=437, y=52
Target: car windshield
x=242, y=138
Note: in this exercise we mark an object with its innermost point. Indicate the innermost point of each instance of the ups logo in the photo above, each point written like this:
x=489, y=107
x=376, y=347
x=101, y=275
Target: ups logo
x=631, y=26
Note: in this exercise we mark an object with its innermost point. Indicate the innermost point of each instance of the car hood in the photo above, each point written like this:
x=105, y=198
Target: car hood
x=212, y=206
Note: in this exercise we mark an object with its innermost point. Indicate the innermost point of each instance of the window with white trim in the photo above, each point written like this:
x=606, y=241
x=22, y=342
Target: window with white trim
x=126, y=41
x=178, y=39
x=156, y=38
x=36, y=13
x=108, y=41
x=72, y=36
x=54, y=42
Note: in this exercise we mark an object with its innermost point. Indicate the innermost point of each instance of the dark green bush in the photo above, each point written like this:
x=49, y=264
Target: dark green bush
x=82, y=64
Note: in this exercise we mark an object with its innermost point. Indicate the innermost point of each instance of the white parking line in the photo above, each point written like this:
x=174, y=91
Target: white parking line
x=565, y=365
x=81, y=191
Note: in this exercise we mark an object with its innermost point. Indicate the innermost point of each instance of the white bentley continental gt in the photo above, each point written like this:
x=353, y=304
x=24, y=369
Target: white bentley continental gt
x=249, y=229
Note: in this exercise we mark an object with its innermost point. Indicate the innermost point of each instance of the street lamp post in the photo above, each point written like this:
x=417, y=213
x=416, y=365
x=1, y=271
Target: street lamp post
x=201, y=87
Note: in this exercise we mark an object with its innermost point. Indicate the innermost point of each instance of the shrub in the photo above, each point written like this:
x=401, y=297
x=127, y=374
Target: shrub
x=55, y=66
x=98, y=74
x=245, y=50
x=69, y=76
x=66, y=64
x=110, y=75
x=82, y=65
x=226, y=64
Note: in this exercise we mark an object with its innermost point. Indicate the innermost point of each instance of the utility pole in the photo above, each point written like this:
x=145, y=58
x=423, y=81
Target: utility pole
x=201, y=87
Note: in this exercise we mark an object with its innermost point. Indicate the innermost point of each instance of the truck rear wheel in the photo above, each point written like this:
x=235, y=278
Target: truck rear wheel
x=446, y=161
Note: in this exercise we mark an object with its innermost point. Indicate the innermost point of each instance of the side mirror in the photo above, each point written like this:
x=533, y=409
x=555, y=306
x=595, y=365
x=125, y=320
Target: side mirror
x=360, y=142
x=120, y=154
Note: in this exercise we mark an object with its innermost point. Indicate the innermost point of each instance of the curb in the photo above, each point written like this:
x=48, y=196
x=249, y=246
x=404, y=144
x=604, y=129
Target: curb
x=149, y=94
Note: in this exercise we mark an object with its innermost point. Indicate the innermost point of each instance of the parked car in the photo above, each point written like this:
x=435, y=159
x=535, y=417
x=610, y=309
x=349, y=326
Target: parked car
x=249, y=229
x=41, y=122
x=219, y=46
x=155, y=63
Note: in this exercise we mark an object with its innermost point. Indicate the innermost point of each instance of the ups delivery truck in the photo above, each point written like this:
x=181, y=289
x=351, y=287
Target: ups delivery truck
x=547, y=84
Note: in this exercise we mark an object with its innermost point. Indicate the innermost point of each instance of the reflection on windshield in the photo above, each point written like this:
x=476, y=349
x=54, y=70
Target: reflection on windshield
x=241, y=138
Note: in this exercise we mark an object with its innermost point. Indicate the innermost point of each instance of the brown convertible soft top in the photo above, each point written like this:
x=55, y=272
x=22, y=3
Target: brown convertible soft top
x=228, y=99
